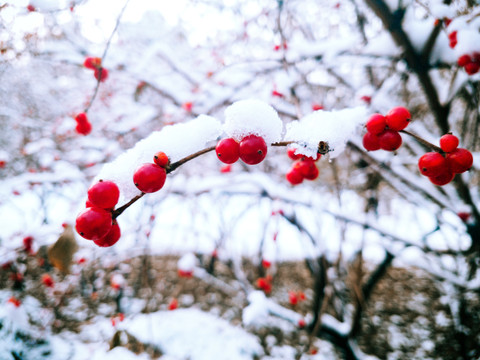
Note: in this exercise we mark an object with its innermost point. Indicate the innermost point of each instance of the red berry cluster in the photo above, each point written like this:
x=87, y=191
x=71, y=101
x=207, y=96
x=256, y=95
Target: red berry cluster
x=150, y=177
x=95, y=64
x=294, y=297
x=83, y=125
x=265, y=284
x=471, y=63
x=96, y=222
x=383, y=131
x=441, y=168
x=252, y=149
x=303, y=168
x=452, y=38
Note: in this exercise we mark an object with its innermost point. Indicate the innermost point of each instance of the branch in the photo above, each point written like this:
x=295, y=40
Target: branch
x=420, y=66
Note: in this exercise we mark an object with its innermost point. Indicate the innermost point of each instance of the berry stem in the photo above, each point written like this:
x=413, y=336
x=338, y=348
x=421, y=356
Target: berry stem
x=116, y=213
x=423, y=141
x=180, y=162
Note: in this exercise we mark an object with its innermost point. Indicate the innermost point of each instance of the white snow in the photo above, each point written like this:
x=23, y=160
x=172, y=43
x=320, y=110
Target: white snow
x=188, y=333
x=251, y=116
x=177, y=141
x=333, y=127
x=187, y=262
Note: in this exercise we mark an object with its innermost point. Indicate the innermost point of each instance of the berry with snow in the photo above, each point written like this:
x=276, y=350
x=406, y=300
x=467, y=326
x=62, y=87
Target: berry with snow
x=228, y=150
x=103, y=194
x=442, y=178
x=149, y=177
x=93, y=223
x=252, y=149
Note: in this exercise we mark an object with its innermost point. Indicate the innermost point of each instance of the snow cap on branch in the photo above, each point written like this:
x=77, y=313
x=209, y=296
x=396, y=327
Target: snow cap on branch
x=187, y=263
x=177, y=141
x=251, y=116
x=333, y=127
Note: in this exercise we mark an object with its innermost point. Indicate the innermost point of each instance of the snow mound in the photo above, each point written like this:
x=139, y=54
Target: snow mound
x=333, y=127
x=246, y=117
x=188, y=334
x=177, y=141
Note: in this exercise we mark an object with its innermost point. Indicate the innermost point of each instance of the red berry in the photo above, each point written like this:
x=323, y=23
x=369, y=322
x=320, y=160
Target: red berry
x=371, y=142
x=173, y=304
x=83, y=128
x=228, y=150
x=292, y=298
x=316, y=107
x=226, y=168
x=111, y=238
x=93, y=223
x=264, y=284
x=302, y=323
x=390, y=140
x=81, y=118
x=476, y=57
x=459, y=160
x=443, y=178
x=104, y=194
x=27, y=243
x=31, y=8
x=185, y=273
x=161, y=159
x=307, y=168
x=432, y=164
x=464, y=60
x=448, y=142
x=398, y=118
x=187, y=106
x=101, y=74
x=252, y=149
x=47, y=280
x=149, y=178
x=266, y=264
x=294, y=176
x=472, y=68
x=291, y=154
x=453, y=39
x=92, y=63
x=376, y=124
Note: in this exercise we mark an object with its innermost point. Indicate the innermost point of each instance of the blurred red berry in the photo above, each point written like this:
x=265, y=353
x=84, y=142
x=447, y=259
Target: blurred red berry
x=472, y=68
x=464, y=60
x=452, y=37
x=101, y=74
x=292, y=298
x=92, y=63
x=294, y=176
x=316, y=107
x=47, y=281
x=173, y=304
